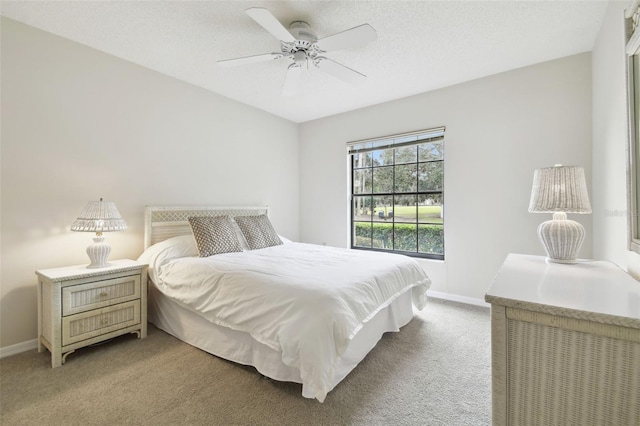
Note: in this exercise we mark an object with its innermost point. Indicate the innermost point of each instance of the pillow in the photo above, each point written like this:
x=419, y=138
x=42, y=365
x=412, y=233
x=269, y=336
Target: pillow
x=171, y=248
x=240, y=236
x=284, y=240
x=258, y=231
x=214, y=235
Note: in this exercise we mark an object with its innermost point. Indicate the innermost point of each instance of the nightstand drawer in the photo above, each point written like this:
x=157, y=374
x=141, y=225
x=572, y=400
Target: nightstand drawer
x=101, y=321
x=85, y=297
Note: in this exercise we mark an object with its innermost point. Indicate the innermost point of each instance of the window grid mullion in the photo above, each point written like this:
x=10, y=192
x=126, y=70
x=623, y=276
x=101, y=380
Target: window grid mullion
x=416, y=197
x=371, y=202
x=393, y=204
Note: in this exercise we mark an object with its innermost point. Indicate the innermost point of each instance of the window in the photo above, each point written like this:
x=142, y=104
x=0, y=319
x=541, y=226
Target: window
x=633, y=96
x=397, y=194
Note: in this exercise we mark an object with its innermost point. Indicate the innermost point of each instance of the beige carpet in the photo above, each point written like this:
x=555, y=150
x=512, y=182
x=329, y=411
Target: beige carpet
x=436, y=371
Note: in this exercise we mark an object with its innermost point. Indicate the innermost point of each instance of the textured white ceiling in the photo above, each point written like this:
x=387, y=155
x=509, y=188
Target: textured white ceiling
x=421, y=46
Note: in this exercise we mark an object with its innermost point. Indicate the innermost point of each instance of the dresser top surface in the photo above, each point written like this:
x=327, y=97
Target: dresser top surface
x=529, y=282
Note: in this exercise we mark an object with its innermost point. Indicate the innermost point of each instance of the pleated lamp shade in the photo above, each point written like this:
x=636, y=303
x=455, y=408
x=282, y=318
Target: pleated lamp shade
x=560, y=190
x=99, y=216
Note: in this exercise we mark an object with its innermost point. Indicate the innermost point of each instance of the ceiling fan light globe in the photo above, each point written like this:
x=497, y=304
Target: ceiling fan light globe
x=300, y=57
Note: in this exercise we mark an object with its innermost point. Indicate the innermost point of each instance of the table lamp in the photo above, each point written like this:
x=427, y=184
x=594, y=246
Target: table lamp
x=99, y=216
x=560, y=190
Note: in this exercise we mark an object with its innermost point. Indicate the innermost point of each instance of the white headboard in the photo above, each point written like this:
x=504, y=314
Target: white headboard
x=162, y=222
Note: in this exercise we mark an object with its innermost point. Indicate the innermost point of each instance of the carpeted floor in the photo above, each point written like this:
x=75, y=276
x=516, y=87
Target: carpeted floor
x=435, y=371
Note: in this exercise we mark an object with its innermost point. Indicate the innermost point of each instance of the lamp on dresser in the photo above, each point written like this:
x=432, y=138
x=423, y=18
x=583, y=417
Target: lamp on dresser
x=99, y=216
x=560, y=190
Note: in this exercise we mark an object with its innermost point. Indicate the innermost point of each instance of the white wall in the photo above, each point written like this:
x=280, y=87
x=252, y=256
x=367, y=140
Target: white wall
x=499, y=129
x=610, y=143
x=78, y=124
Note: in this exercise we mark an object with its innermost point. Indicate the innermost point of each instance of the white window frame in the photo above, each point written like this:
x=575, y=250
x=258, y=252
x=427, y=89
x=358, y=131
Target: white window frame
x=632, y=37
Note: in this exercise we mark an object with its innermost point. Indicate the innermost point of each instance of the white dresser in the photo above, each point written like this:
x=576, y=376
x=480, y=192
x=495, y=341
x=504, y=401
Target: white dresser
x=565, y=343
x=78, y=307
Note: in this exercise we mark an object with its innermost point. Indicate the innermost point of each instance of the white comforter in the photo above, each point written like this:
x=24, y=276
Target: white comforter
x=303, y=300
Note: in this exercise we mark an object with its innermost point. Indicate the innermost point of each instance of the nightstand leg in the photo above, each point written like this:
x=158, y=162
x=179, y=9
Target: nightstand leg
x=143, y=300
x=56, y=359
x=40, y=346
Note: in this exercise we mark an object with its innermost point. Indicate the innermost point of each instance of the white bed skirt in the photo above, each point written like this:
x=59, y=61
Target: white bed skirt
x=240, y=347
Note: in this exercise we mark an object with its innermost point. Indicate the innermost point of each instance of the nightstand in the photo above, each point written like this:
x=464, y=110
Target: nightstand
x=78, y=306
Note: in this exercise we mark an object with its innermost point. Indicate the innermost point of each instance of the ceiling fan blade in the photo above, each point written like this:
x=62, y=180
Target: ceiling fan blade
x=269, y=22
x=355, y=37
x=250, y=59
x=339, y=71
x=290, y=85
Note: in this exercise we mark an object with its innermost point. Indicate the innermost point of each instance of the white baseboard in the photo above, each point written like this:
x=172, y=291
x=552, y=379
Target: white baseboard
x=457, y=298
x=18, y=348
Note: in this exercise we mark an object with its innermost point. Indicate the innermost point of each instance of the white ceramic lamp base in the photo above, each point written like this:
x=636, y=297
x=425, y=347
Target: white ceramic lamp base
x=98, y=253
x=561, y=238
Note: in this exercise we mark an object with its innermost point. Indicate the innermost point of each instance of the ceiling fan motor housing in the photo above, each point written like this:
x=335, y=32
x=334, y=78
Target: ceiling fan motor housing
x=302, y=32
x=301, y=49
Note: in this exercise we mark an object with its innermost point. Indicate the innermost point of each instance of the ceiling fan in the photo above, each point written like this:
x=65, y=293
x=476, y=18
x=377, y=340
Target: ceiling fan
x=301, y=45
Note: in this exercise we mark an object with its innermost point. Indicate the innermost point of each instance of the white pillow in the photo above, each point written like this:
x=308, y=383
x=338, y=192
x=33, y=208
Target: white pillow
x=283, y=239
x=240, y=236
x=172, y=248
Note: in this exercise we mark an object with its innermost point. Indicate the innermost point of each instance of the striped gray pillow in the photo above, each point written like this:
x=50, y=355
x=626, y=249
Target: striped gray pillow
x=214, y=235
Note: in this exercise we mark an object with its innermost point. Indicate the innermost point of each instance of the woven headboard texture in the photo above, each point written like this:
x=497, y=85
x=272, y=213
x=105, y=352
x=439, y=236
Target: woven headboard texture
x=162, y=222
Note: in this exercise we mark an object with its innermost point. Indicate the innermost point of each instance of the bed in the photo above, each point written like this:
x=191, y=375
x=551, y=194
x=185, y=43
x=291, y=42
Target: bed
x=296, y=312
